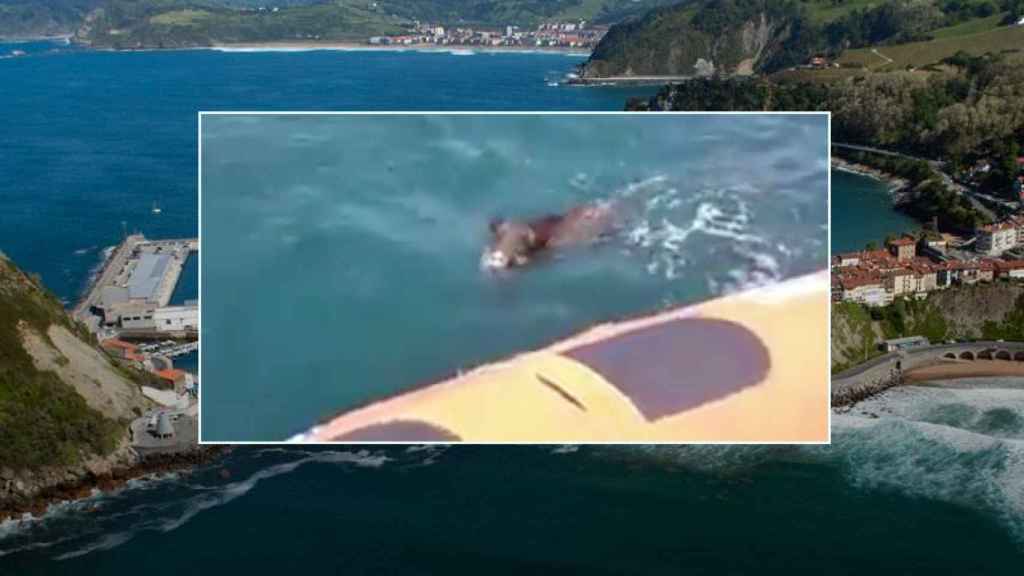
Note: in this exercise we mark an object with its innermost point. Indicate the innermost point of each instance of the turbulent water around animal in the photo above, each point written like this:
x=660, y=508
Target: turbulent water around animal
x=341, y=254
x=920, y=480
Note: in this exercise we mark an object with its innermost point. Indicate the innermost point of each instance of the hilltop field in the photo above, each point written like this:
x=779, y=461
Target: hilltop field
x=976, y=37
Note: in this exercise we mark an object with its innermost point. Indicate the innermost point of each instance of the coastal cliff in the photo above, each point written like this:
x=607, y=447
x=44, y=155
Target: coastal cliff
x=34, y=18
x=982, y=311
x=65, y=405
x=728, y=37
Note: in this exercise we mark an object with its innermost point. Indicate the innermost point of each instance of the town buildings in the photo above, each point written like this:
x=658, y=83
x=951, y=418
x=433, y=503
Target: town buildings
x=577, y=34
x=912, y=267
x=994, y=239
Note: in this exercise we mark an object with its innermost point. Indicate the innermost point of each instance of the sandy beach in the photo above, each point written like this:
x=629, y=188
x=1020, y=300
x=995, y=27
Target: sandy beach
x=965, y=369
x=362, y=46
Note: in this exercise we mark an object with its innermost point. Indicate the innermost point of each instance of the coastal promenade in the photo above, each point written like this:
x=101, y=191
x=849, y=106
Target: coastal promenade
x=878, y=374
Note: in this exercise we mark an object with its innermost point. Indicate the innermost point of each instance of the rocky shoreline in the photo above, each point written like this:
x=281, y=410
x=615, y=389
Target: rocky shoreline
x=19, y=496
x=898, y=187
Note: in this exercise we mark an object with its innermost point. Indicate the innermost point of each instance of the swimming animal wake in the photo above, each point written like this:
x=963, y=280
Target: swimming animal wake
x=516, y=242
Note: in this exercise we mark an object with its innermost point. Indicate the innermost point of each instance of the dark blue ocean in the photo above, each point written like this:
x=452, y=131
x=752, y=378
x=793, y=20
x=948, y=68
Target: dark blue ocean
x=89, y=141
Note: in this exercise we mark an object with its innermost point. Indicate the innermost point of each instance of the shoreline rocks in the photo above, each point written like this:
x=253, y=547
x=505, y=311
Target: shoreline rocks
x=899, y=188
x=33, y=492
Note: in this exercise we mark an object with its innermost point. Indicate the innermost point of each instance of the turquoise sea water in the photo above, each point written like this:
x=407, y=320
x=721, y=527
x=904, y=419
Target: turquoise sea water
x=341, y=254
x=863, y=208
x=932, y=486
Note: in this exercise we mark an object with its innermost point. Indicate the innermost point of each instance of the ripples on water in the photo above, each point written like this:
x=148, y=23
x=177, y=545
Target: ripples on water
x=375, y=225
x=914, y=448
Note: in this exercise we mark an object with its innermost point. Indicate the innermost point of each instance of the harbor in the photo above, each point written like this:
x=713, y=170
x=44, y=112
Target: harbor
x=131, y=295
x=128, y=307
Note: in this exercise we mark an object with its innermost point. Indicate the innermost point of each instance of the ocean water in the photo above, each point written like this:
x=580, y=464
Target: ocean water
x=929, y=481
x=891, y=496
x=341, y=254
x=863, y=209
x=92, y=139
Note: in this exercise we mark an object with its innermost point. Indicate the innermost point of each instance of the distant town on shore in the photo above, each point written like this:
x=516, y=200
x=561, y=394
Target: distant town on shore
x=577, y=34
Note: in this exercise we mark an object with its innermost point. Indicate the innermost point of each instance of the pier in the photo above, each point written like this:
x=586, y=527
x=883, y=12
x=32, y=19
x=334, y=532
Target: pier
x=626, y=80
x=111, y=268
x=133, y=289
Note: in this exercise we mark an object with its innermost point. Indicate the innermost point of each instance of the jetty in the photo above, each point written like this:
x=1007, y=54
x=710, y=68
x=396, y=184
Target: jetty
x=133, y=289
x=625, y=80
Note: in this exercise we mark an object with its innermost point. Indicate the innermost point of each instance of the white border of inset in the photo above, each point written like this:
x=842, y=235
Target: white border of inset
x=199, y=161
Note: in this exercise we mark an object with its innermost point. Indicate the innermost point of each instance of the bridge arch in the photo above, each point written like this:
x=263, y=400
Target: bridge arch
x=1003, y=354
x=985, y=354
x=950, y=355
x=1019, y=356
x=967, y=355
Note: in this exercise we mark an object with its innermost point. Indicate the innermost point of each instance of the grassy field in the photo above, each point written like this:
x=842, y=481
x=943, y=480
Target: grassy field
x=970, y=27
x=827, y=75
x=187, y=17
x=919, y=54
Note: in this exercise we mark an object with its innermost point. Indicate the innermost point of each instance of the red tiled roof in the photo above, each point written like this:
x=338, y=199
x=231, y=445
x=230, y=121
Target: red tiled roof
x=1006, y=225
x=1009, y=265
x=120, y=344
x=171, y=374
x=902, y=242
x=851, y=281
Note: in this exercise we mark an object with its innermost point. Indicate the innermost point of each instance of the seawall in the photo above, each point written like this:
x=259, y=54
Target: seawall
x=883, y=372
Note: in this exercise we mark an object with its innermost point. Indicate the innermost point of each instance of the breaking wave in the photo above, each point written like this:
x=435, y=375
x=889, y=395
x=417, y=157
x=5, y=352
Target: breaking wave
x=680, y=232
x=106, y=521
x=959, y=446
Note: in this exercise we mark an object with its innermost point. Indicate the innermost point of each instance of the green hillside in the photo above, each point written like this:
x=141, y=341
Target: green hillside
x=44, y=419
x=976, y=38
x=177, y=23
x=33, y=18
x=984, y=311
x=744, y=36
x=174, y=23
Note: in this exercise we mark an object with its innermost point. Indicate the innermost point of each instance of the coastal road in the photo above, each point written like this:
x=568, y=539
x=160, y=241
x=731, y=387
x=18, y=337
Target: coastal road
x=938, y=165
x=935, y=348
x=861, y=368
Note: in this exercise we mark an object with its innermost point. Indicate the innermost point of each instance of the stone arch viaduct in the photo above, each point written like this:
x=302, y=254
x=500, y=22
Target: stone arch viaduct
x=882, y=372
